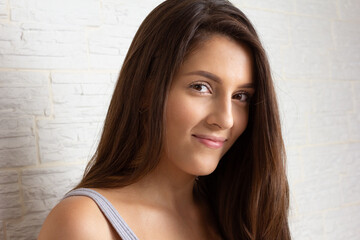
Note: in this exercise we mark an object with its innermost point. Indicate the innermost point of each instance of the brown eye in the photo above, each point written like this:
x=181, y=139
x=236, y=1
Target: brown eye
x=201, y=87
x=242, y=97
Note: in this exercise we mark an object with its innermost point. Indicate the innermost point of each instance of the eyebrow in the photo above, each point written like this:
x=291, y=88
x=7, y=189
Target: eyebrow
x=217, y=79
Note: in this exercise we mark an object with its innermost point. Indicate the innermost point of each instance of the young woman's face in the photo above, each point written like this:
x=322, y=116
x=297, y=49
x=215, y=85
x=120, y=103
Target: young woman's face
x=208, y=105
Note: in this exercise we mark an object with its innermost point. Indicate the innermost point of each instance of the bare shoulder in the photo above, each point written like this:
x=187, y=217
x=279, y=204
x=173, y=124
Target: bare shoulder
x=76, y=217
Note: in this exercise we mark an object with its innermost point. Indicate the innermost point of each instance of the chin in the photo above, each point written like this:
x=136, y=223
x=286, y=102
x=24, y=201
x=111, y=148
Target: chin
x=204, y=170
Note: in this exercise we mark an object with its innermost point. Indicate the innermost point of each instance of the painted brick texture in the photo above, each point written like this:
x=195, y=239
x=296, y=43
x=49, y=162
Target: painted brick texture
x=59, y=61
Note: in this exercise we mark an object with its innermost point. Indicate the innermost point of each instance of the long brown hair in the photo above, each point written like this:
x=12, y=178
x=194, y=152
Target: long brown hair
x=248, y=191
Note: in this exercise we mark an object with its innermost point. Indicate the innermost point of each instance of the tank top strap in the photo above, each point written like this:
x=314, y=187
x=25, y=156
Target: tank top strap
x=108, y=210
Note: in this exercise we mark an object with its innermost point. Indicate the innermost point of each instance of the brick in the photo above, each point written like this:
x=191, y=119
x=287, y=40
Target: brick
x=295, y=128
x=88, y=108
x=351, y=188
x=42, y=46
x=44, y=43
x=345, y=65
x=82, y=96
x=32, y=105
x=349, y=9
x=342, y=223
x=75, y=102
x=307, y=226
x=321, y=8
x=271, y=27
x=10, y=206
x=294, y=167
x=353, y=163
x=356, y=96
x=81, y=12
x=295, y=96
x=354, y=126
x=318, y=193
x=346, y=34
x=332, y=160
x=82, y=89
x=332, y=96
x=8, y=212
x=295, y=103
x=275, y=5
x=18, y=157
x=2, y=234
x=3, y=15
x=275, y=54
x=26, y=228
x=17, y=79
x=44, y=62
x=9, y=32
x=9, y=188
x=72, y=142
x=130, y=13
x=108, y=46
x=274, y=32
x=51, y=34
x=9, y=196
x=43, y=188
x=86, y=78
x=307, y=63
x=328, y=128
x=8, y=176
x=16, y=127
x=106, y=62
x=24, y=93
x=310, y=32
x=111, y=40
x=16, y=142
x=41, y=205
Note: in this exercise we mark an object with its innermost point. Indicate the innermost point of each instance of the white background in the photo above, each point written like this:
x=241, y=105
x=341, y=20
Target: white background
x=59, y=61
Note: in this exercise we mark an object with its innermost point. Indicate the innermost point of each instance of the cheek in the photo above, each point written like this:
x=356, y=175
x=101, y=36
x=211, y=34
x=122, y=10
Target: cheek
x=181, y=115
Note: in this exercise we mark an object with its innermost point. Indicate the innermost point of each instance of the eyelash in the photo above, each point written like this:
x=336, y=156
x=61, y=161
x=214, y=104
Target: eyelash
x=245, y=93
x=201, y=84
x=193, y=85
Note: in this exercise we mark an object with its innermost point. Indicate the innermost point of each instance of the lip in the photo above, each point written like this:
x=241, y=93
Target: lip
x=210, y=141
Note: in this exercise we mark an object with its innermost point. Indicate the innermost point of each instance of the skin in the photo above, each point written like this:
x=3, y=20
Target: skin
x=199, y=107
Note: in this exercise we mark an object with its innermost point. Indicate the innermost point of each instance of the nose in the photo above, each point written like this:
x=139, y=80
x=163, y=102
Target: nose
x=221, y=114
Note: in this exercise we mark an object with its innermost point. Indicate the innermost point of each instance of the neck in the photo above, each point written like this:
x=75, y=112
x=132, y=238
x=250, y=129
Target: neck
x=167, y=187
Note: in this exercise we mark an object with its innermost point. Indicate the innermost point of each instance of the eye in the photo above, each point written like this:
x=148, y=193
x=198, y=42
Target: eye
x=242, y=96
x=201, y=87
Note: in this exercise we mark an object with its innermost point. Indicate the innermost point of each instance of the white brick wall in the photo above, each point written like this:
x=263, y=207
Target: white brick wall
x=59, y=61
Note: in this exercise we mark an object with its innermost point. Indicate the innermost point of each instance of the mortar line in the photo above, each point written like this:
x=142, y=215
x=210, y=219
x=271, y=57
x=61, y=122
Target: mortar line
x=38, y=162
x=105, y=71
x=338, y=17
x=51, y=97
x=21, y=191
x=294, y=13
x=8, y=10
x=45, y=165
x=101, y=9
x=4, y=230
x=86, y=35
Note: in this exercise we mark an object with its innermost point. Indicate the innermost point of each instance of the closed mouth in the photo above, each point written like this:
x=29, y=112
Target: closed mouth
x=210, y=141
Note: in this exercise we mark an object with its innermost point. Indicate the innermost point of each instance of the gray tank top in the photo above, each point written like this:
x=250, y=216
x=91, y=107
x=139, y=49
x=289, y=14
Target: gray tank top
x=108, y=210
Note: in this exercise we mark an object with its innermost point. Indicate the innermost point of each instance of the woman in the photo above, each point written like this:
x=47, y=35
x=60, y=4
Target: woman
x=191, y=147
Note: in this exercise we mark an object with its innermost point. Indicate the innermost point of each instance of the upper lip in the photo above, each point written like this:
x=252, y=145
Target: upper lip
x=212, y=138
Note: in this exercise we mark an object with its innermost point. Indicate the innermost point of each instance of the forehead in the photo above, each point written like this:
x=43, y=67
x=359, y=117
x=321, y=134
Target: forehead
x=221, y=56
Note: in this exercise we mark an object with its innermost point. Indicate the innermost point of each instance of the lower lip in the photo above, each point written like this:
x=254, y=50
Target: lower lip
x=209, y=143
